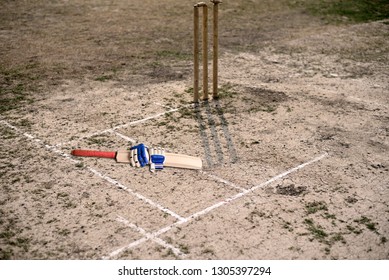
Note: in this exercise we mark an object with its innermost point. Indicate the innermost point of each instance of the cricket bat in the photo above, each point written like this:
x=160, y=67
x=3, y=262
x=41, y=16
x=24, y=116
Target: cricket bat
x=124, y=156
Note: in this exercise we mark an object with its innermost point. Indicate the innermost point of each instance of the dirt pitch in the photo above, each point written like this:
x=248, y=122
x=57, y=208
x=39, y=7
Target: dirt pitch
x=295, y=151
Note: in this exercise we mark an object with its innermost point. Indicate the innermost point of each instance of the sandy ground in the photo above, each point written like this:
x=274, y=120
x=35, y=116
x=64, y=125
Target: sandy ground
x=295, y=156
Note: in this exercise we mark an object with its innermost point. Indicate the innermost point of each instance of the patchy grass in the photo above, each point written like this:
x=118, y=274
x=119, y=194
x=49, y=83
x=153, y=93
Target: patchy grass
x=99, y=140
x=104, y=78
x=354, y=230
x=368, y=223
x=325, y=232
x=187, y=113
x=347, y=10
x=11, y=239
x=16, y=85
x=7, y=133
x=316, y=230
x=226, y=91
x=313, y=207
x=183, y=248
x=176, y=55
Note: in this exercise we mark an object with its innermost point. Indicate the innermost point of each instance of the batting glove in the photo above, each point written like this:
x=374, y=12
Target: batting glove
x=139, y=155
x=157, y=158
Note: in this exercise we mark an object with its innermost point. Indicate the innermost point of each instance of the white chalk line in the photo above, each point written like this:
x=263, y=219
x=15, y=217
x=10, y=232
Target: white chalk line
x=180, y=219
x=217, y=205
x=149, y=236
x=137, y=195
x=221, y=180
x=252, y=189
x=145, y=119
x=112, y=130
x=112, y=181
x=125, y=137
x=214, y=177
x=164, y=106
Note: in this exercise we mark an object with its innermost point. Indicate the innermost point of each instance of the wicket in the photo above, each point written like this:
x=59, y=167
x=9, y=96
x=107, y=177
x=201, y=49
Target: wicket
x=205, y=49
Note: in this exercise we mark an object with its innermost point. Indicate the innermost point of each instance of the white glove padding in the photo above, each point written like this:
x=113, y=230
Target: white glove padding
x=157, y=158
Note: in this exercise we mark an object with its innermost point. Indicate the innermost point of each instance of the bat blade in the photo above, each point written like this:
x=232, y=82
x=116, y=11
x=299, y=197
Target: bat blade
x=171, y=160
x=124, y=156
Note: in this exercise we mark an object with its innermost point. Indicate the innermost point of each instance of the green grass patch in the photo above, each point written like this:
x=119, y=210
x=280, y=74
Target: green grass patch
x=316, y=206
x=104, y=78
x=16, y=84
x=177, y=55
x=368, y=223
x=317, y=231
x=354, y=230
x=349, y=10
x=99, y=140
x=226, y=91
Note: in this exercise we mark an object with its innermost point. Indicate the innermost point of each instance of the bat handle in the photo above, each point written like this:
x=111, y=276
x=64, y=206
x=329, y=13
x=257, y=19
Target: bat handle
x=91, y=153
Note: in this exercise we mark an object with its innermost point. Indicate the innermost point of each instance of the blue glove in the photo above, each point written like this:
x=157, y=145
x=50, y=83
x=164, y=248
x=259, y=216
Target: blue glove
x=157, y=158
x=140, y=154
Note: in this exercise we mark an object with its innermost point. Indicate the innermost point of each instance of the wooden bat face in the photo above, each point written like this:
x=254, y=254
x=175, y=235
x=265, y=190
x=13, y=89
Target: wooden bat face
x=124, y=156
x=171, y=160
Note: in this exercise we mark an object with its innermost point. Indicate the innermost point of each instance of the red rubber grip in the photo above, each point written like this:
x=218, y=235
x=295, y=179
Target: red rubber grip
x=91, y=153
